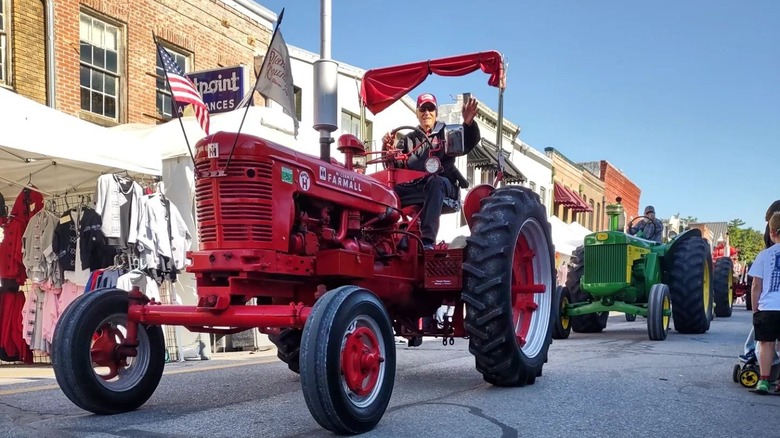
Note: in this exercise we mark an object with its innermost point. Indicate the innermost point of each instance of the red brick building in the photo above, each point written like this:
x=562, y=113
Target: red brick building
x=96, y=59
x=616, y=184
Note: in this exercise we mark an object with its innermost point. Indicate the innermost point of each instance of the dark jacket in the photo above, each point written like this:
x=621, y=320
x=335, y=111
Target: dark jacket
x=645, y=228
x=417, y=160
x=93, y=245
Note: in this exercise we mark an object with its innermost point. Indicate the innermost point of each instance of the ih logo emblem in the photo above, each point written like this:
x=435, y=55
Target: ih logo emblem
x=213, y=150
x=323, y=172
x=304, y=181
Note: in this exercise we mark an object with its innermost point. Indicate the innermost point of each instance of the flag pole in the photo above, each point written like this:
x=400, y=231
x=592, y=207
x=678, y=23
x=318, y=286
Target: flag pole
x=500, y=127
x=252, y=92
x=173, y=100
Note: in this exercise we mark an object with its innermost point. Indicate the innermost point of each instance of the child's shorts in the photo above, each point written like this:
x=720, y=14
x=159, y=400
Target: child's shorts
x=767, y=325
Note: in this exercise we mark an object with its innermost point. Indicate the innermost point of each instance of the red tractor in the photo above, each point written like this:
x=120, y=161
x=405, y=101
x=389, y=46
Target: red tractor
x=337, y=268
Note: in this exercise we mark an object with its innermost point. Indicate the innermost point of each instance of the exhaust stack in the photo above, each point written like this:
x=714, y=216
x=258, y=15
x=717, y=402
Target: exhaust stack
x=326, y=78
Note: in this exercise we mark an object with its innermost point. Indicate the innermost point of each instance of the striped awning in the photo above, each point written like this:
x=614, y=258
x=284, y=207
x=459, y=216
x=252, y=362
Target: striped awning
x=568, y=198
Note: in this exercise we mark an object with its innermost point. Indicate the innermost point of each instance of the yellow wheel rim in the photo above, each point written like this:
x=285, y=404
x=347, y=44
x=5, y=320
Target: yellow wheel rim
x=667, y=307
x=706, y=282
x=731, y=288
x=748, y=378
x=564, y=317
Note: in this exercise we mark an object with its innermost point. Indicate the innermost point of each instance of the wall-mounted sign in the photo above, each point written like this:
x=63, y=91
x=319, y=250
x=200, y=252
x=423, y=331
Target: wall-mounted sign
x=222, y=89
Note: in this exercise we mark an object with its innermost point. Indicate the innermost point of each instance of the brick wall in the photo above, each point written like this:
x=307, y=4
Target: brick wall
x=617, y=184
x=215, y=34
x=28, y=53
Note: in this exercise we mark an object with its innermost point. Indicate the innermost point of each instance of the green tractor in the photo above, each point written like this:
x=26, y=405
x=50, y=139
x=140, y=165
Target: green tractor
x=618, y=272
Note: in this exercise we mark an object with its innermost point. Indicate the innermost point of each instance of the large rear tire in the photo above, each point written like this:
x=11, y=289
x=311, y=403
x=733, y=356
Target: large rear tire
x=689, y=268
x=348, y=360
x=592, y=322
x=723, y=287
x=509, y=287
x=288, y=347
x=87, y=363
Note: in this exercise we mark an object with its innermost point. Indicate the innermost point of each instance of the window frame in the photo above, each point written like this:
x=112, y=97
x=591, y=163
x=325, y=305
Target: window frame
x=159, y=75
x=5, y=42
x=119, y=75
x=369, y=128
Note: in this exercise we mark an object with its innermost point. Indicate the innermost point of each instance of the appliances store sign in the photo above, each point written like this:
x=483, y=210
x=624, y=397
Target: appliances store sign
x=221, y=89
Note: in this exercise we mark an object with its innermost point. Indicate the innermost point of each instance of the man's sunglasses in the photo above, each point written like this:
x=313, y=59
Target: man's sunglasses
x=424, y=108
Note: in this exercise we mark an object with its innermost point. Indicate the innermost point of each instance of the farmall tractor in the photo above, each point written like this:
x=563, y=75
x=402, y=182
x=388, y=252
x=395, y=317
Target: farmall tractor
x=337, y=269
x=726, y=285
x=615, y=271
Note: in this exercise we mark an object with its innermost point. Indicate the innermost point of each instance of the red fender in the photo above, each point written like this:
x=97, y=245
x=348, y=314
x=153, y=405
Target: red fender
x=473, y=199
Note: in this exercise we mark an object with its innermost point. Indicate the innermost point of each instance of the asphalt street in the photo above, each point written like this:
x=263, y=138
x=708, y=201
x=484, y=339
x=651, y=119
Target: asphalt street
x=614, y=384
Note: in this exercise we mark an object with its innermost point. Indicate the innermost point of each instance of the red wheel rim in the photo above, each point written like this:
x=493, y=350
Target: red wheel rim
x=523, y=289
x=360, y=361
x=104, y=353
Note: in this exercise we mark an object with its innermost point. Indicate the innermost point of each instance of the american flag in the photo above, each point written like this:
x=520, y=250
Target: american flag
x=183, y=90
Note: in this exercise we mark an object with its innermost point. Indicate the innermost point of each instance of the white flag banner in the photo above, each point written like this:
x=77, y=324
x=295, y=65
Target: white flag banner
x=275, y=81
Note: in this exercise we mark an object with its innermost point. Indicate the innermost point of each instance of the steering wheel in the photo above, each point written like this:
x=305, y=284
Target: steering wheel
x=393, y=154
x=644, y=233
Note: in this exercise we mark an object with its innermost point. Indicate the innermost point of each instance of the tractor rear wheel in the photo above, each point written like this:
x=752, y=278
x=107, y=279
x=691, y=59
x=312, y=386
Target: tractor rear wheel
x=509, y=287
x=658, y=302
x=561, y=327
x=88, y=365
x=723, y=287
x=288, y=347
x=348, y=360
x=688, y=277
x=592, y=322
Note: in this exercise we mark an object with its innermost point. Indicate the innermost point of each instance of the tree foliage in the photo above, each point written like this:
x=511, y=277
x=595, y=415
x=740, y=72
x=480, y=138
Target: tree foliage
x=748, y=241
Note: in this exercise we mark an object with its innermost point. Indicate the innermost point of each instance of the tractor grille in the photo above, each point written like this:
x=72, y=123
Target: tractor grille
x=605, y=264
x=236, y=208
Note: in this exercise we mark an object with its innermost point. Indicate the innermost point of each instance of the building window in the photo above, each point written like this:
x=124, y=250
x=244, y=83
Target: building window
x=487, y=176
x=5, y=20
x=350, y=124
x=298, y=102
x=469, y=173
x=543, y=195
x=164, y=102
x=593, y=225
x=99, y=69
x=532, y=185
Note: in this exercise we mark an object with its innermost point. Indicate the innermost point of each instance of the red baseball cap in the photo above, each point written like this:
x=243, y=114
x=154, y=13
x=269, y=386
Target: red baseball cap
x=426, y=98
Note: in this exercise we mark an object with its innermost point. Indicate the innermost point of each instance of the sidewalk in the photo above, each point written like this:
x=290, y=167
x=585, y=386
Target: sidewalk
x=18, y=374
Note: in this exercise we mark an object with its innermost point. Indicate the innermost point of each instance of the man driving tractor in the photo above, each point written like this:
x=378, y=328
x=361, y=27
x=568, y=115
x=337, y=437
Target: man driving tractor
x=650, y=226
x=442, y=186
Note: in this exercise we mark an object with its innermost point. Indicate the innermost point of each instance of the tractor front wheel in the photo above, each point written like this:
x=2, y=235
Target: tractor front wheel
x=560, y=321
x=723, y=287
x=509, y=287
x=348, y=360
x=91, y=370
x=658, y=305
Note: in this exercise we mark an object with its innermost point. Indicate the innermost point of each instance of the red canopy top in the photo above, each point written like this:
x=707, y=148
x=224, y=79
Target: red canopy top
x=381, y=87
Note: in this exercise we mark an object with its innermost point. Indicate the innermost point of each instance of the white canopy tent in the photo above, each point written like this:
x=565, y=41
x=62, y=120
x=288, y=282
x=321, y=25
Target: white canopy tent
x=565, y=238
x=59, y=153
x=169, y=140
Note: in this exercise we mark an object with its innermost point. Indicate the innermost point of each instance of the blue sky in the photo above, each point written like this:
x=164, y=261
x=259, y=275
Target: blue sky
x=682, y=96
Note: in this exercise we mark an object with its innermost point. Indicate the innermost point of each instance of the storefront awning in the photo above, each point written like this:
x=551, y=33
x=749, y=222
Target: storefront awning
x=568, y=198
x=484, y=156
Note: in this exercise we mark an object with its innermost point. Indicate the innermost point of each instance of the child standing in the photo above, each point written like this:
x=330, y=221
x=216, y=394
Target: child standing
x=765, y=295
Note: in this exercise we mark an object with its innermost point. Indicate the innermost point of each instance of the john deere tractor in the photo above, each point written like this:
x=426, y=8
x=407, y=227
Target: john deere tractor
x=618, y=272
